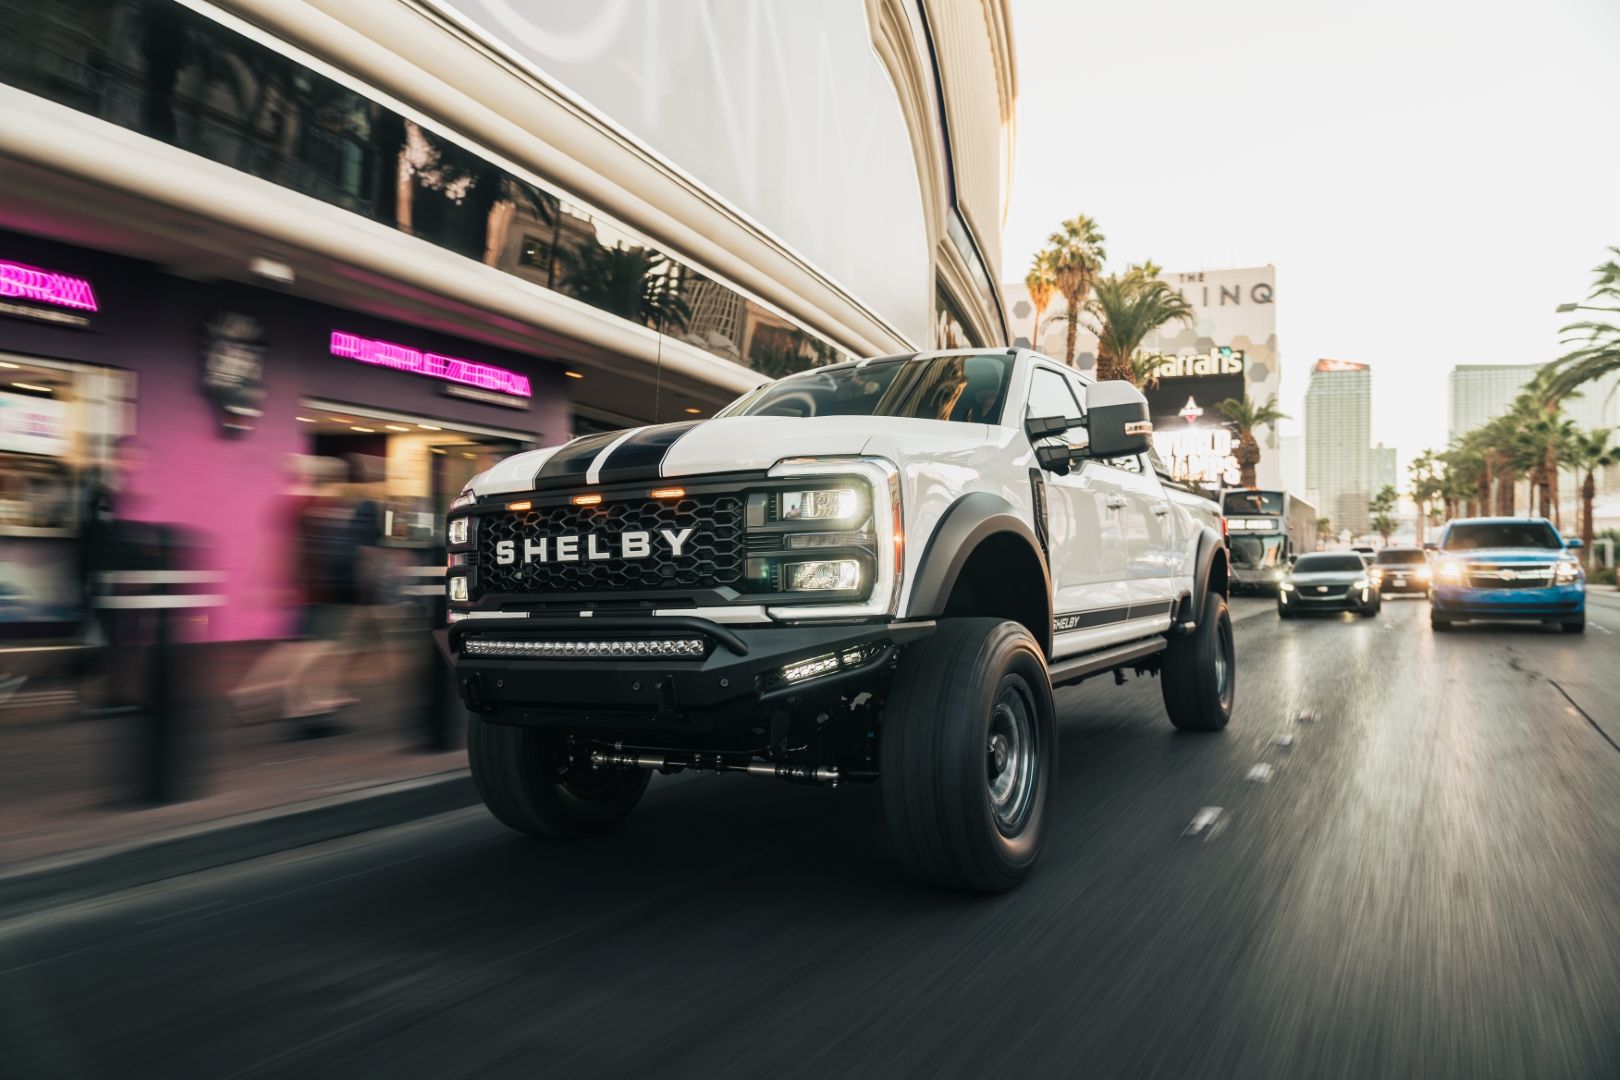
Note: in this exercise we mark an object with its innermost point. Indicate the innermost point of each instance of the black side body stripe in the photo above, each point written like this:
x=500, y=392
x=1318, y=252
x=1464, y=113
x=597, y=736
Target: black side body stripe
x=642, y=453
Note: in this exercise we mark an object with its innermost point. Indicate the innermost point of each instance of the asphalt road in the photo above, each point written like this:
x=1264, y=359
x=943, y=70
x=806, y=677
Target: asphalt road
x=1425, y=881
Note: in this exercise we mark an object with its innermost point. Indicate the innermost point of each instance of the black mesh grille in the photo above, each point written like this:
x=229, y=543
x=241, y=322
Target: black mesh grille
x=712, y=556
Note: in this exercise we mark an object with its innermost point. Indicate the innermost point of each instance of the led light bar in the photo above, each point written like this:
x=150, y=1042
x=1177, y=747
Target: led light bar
x=852, y=657
x=600, y=649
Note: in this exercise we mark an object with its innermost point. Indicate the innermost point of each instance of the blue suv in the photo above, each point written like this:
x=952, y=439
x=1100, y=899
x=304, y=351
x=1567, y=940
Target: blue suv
x=1507, y=568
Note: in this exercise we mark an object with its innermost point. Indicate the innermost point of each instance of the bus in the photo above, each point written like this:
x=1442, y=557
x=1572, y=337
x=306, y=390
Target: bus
x=1265, y=531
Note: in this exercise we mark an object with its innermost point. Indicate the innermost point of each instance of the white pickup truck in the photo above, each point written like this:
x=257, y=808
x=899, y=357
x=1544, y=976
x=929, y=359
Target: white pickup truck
x=873, y=571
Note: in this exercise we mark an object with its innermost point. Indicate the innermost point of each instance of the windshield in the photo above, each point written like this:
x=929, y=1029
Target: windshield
x=1389, y=557
x=967, y=389
x=1328, y=564
x=1471, y=536
x=1255, y=552
x=1252, y=502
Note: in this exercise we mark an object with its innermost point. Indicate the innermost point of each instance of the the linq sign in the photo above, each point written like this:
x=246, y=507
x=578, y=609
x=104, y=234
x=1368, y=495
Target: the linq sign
x=1222, y=361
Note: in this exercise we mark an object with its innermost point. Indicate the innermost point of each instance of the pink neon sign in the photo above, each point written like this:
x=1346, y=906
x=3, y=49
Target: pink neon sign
x=46, y=286
x=448, y=368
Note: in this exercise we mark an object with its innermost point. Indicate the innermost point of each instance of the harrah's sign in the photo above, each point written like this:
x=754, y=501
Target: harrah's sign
x=46, y=286
x=449, y=368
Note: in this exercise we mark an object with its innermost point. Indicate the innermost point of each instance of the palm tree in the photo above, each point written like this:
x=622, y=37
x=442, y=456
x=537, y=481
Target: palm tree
x=1248, y=416
x=1597, y=342
x=1324, y=529
x=1075, y=255
x=1588, y=452
x=1428, y=484
x=1382, y=506
x=1041, y=283
x=1128, y=308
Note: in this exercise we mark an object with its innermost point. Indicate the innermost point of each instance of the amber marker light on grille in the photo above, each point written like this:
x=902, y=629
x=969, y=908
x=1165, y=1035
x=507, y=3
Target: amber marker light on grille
x=668, y=493
x=519, y=507
x=586, y=500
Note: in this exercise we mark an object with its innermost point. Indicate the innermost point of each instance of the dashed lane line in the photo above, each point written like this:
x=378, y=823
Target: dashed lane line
x=1259, y=774
x=1206, y=823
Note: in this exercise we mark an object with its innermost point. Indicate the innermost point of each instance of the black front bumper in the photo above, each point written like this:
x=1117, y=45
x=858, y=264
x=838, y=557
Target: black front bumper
x=737, y=680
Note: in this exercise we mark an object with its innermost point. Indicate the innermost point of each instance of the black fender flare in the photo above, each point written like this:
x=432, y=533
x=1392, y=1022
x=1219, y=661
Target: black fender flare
x=967, y=523
x=1210, y=548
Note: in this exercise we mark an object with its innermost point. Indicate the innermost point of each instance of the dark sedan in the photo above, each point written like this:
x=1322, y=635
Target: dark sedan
x=1402, y=570
x=1328, y=581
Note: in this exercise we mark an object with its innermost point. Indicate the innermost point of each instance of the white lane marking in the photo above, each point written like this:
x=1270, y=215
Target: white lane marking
x=1600, y=626
x=1204, y=822
x=1260, y=774
x=1307, y=716
x=1284, y=742
x=593, y=475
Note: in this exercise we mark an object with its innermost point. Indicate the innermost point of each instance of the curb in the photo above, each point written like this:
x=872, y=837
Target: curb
x=94, y=872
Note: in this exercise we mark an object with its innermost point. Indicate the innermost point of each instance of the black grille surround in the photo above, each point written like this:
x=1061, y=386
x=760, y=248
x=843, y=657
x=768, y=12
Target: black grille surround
x=711, y=557
x=733, y=555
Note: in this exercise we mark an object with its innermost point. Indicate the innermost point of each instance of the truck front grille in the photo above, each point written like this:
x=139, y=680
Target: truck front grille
x=712, y=556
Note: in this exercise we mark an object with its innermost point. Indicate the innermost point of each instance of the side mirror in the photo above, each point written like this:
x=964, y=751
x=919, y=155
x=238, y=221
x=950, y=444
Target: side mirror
x=1574, y=542
x=1117, y=419
x=1045, y=427
x=1056, y=459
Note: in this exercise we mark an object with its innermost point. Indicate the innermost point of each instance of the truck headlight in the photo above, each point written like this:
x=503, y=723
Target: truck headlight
x=831, y=575
x=1566, y=572
x=459, y=528
x=827, y=504
x=1450, y=570
x=458, y=589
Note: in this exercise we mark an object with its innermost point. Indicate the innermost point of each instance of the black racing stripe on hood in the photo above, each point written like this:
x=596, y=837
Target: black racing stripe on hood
x=567, y=466
x=642, y=453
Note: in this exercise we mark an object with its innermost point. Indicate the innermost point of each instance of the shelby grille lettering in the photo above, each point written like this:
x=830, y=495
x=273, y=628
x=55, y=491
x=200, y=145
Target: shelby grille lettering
x=574, y=547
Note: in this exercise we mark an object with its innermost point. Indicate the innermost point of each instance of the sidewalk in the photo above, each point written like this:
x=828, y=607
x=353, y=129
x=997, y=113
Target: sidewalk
x=66, y=778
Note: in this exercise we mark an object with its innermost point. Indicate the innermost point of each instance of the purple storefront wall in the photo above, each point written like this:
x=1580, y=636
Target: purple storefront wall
x=228, y=489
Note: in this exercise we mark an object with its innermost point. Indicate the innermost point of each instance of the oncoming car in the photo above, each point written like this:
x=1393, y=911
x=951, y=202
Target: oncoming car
x=1328, y=581
x=1402, y=570
x=1507, y=568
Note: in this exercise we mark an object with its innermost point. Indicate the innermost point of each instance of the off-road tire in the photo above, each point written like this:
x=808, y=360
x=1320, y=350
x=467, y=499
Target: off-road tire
x=1199, y=673
x=518, y=773
x=955, y=693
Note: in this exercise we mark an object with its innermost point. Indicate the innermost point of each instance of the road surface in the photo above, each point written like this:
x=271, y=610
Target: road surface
x=1402, y=859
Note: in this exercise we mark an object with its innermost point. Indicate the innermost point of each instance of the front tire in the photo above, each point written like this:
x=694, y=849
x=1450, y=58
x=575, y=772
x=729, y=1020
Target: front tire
x=1200, y=671
x=529, y=785
x=1439, y=625
x=1577, y=625
x=969, y=755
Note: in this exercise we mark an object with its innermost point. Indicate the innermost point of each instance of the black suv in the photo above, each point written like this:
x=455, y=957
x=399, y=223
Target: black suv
x=1402, y=570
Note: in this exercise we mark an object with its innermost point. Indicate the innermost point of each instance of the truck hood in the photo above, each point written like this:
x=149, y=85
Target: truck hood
x=746, y=444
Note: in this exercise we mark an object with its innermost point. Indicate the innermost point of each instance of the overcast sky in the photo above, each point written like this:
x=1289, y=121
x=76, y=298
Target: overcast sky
x=1430, y=178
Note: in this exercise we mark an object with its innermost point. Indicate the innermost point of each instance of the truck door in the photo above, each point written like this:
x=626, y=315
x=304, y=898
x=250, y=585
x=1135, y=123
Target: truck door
x=1085, y=525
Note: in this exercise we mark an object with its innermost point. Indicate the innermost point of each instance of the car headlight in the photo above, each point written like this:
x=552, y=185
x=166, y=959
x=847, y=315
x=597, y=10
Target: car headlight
x=1279, y=575
x=1376, y=574
x=1423, y=573
x=827, y=504
x=1361, y=583
x=1286, y=585
x=1567, y=572
x=1450, y=570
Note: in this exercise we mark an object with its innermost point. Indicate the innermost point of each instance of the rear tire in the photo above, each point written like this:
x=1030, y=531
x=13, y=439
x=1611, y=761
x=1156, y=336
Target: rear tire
x=521, y=777
x=969, y=755
x=1200, y=671
x=1576, y=625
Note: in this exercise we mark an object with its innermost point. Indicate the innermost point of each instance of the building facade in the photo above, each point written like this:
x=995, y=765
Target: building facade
x=1228, y=351
x=1384, y=469
x=1338, y=442
x=427, y=233
x=1479, y=393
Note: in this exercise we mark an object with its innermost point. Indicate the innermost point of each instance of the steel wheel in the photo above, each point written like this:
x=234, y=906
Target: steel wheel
x=1010, y=755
